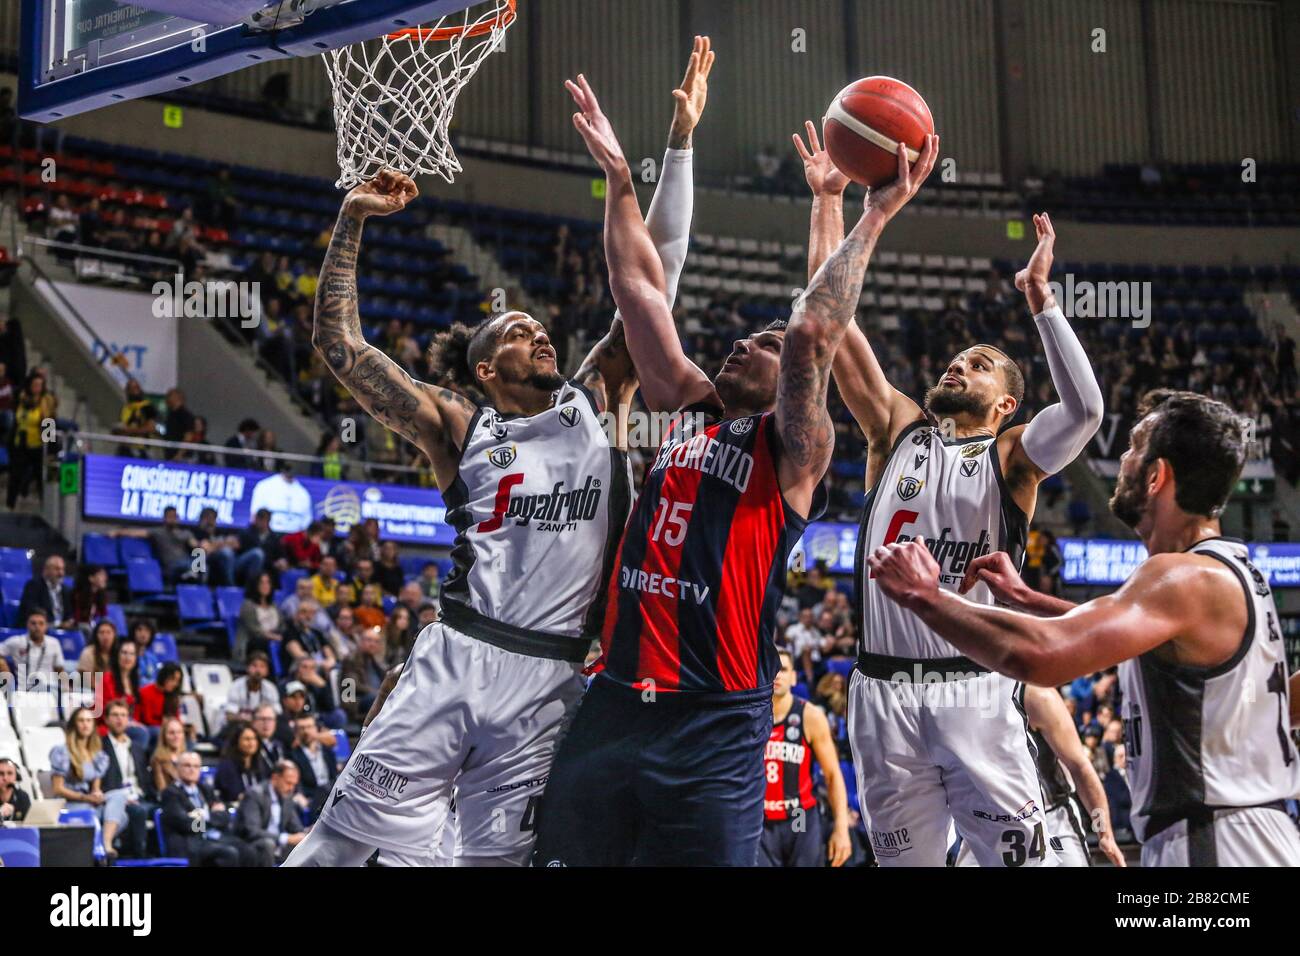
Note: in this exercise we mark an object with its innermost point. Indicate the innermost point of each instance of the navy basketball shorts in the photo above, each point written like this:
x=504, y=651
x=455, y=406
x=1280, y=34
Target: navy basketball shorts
x=673, y=781
x=794, y=842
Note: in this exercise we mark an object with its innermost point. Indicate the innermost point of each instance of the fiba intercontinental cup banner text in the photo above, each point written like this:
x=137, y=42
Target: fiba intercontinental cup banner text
x=134, y=489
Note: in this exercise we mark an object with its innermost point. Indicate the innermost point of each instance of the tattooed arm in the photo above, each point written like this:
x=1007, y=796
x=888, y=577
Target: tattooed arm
x=880, y=410
x=433, y=419
x=817, y=328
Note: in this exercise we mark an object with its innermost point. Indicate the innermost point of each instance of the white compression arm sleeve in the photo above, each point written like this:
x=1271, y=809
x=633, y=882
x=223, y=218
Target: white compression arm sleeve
x=671, y=211
x=1060, y=432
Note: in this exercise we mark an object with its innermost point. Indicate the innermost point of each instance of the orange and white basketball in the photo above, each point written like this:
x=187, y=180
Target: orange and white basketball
x=865, y=122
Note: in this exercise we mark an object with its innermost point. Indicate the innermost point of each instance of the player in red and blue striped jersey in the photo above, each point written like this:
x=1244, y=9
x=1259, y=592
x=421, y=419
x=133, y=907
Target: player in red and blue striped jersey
x=664, y=761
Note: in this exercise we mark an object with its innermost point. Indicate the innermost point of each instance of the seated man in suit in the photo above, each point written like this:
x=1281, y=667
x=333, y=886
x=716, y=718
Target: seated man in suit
x=48, y=593
x=196, y=823
x=316, y=762
x=268, y=816
x=128, y=770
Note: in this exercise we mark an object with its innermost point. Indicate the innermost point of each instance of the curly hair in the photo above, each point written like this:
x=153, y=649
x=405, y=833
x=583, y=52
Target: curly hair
x=455, y=353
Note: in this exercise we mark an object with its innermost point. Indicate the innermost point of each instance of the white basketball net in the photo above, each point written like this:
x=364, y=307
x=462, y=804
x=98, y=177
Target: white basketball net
x=394, y=96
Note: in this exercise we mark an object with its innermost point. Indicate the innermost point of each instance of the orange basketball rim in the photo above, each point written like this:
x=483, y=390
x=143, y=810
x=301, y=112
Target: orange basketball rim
x=447, y=34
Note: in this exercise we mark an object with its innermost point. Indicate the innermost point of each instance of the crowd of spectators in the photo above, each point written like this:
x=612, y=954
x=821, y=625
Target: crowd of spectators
x=323, y=620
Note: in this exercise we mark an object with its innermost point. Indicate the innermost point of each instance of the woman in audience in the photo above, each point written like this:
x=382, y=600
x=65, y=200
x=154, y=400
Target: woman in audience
x=122, y=682
x=97, y=656
x=399, y=635
x=240, y=767
x=14, y=802
x=161, y=700
x=171, y=744
x=77, y=769
x=90, y=596
x=369, y=611
x=143, y=633
x=260, y=622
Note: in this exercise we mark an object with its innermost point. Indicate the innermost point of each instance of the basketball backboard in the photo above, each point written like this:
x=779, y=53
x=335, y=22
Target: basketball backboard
x=80, y=55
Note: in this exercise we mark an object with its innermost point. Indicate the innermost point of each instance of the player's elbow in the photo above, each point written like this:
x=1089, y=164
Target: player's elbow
x=810, y=338
x=1031, y=663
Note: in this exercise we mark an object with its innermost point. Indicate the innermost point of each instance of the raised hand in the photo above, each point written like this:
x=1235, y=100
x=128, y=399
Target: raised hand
x=824, y=177
x=889, y=199
x=387, y=193
x=595, y=127
x=1033, y=279
x=692, y=94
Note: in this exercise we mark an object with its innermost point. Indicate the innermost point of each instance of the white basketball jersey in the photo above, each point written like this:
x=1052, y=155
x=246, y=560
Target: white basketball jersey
x=1201, y=737
x=950, y=493
x=537, y=506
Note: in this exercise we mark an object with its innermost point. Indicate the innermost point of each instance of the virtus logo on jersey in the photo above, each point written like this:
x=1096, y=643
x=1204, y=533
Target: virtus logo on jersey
x=909, y=487
x=570, y=416
x=502, y=457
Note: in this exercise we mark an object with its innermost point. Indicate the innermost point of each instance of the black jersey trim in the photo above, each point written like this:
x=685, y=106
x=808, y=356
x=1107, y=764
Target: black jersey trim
x=518, y=640
x=1247, y=639
x=479, y=412
x=886, y=667
x=859, y=552
x=591, y=397
x=619, y=507
x=1213, y=537
x=1014, y=520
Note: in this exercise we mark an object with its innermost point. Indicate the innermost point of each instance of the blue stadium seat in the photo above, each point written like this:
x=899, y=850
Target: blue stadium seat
x=229, y=601
x=196, y=610
x=117, y=614
x=342, y=747
x=11, y=587
x=194, y=603
x=840, y=665
x=289, y=579
x=144, y=579
x=800, y=690
x=15, y=561
x=133, y=548
x=100, y=549
x=72, y=642
x=390, y=602
x=20, y=847
x=164, y=648
x=164, y=860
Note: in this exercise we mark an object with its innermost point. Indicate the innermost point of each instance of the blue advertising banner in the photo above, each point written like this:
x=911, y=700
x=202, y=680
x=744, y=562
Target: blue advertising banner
x=1098, y=562
x=1106, y=561
x=135, y=489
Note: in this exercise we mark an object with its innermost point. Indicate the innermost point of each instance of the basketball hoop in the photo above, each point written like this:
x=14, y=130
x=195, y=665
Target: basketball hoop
x=394, y=96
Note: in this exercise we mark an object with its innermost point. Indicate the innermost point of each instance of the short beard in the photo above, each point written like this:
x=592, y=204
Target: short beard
x=942, y=401
x=739, y=392
x=1128, y=503
x=545, y=381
